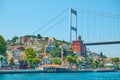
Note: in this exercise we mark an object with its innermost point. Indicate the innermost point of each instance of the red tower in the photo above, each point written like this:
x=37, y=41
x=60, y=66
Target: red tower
x=79, y=47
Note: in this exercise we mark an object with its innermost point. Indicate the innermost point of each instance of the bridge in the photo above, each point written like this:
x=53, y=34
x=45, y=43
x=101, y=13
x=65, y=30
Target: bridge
x=104, y=25
x=102, y=43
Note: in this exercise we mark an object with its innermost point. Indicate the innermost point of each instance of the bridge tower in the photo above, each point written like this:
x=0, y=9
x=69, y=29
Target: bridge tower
x=71, y=26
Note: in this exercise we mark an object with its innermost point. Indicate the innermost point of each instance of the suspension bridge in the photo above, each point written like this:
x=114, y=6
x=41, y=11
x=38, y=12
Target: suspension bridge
x=91, y=25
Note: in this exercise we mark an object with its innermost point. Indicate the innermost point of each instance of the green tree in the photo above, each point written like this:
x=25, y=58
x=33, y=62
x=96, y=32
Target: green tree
x=46, y=38
x=55, y=53
x=80, y=62
x=3, y=46
x=102, y=56
x=1, y=58
x=30, y=54
x=14, y=39
x=71, y=59
x=89, y=59
x=56, y=61
x=39, y=36
x=116, y=59
x=74, y=60
x=36, y=61
x=58, y=43
x=94, y=64
x=11, y=62
x=100, y=64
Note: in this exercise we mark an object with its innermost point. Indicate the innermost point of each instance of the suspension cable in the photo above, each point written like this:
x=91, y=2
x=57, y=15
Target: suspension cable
x=49, y=21
x=54, y=25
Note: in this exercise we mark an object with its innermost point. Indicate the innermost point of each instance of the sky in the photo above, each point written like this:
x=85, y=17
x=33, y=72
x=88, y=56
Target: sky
x=23, y=17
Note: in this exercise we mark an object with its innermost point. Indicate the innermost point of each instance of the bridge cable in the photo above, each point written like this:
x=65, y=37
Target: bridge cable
x=50, y=21
x=118, y=30
x=109, y=21
x=98, y=13
x=54, y=25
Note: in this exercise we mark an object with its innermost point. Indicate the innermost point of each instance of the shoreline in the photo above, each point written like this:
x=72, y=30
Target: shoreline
x=39, y=71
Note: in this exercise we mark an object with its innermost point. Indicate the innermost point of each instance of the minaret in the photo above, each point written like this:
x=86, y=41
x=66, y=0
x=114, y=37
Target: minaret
x=62, y=57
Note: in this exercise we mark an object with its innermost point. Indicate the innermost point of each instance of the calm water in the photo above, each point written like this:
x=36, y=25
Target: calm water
x=62, y=76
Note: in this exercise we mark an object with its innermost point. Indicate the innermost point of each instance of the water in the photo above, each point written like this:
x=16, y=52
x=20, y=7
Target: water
x=63, y=76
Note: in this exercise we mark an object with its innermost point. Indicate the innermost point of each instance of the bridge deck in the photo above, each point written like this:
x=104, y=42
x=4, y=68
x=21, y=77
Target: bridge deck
x=102, y=43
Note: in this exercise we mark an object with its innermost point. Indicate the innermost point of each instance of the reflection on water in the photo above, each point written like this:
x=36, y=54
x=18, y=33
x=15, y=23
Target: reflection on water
x=63, y=76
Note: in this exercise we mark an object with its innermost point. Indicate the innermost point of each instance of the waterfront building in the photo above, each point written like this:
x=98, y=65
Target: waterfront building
x=3, y=62
x=37, y=46
x=78, y=47
x=45, y=66
x=15, y=52
x=51, y=44
x=109, y=65
x=108, y=60
x=69, y=52
x=65, y=64
x=16, y=63
x=118, y=63
x=46, y=60
x=27, y=42
x=65, y=46
x=81, y=58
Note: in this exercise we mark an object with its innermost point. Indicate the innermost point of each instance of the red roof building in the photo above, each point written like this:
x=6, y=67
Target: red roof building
x=78, y=47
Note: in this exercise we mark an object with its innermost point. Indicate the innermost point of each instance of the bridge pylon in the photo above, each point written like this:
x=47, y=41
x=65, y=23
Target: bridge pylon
x=71, y=27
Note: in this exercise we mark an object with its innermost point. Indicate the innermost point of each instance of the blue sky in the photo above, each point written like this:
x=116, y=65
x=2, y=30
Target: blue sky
x=22, y=17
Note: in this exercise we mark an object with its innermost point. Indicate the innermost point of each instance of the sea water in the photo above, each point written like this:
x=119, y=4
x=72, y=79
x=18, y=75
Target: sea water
x=63, y=76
